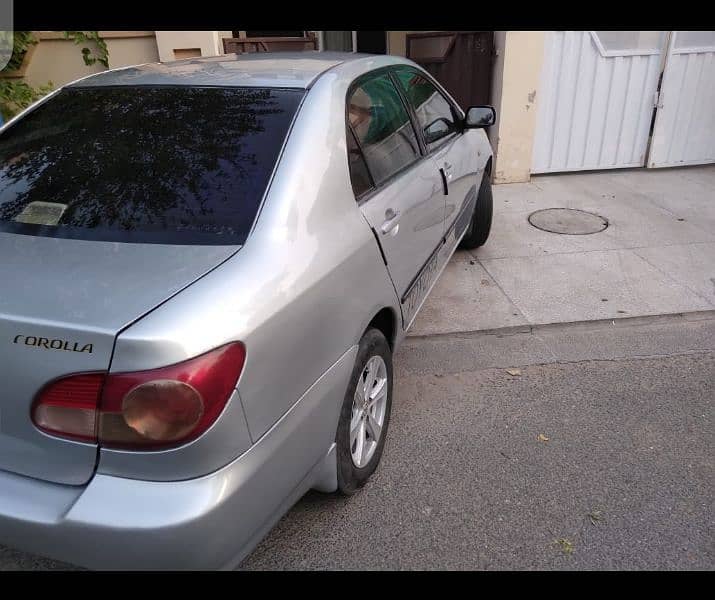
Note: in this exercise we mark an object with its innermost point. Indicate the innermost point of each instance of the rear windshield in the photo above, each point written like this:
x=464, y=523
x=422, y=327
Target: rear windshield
x=142, y=164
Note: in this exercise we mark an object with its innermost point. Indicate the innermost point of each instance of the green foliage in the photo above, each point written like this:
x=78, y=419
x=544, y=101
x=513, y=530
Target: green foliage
x=21, y=42
x=15, y=94
x=82, y=37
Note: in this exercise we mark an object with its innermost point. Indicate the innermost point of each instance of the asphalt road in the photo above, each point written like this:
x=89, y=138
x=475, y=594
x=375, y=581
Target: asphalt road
x=596, y=453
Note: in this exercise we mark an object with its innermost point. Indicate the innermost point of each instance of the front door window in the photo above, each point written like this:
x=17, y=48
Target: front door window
x=434, y=112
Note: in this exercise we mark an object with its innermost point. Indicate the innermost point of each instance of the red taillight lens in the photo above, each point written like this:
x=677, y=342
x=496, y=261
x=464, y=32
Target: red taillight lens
x=68, y=406
x=170, y=405
x=145, y=409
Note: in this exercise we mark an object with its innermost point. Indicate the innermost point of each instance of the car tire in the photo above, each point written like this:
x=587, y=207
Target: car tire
x=481, y=223
x=357, y=424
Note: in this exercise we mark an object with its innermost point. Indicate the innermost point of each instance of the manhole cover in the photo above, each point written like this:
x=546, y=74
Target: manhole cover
x=568, y=221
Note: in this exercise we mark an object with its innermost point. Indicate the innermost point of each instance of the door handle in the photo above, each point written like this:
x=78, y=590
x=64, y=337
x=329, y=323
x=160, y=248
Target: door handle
x=390, y=224
x=445, y=185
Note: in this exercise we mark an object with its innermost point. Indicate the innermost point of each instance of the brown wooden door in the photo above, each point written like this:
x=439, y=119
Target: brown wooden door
x=460, y=60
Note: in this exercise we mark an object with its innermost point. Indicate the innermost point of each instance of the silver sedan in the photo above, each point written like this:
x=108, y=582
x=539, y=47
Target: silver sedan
x=206, y=268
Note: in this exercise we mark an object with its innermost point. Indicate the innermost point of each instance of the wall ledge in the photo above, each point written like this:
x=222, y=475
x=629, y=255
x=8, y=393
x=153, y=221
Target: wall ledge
x=59, y=35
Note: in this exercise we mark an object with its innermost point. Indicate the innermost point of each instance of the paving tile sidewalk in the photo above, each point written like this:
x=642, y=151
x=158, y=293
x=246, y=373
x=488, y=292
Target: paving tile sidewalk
x=657, y=255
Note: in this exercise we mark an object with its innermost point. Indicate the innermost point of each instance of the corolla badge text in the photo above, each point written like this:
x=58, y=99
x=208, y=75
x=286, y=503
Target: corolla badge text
x=56, y=344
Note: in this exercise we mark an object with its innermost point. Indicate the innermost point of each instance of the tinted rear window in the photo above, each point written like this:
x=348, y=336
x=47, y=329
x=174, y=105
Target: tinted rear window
x=162, y=165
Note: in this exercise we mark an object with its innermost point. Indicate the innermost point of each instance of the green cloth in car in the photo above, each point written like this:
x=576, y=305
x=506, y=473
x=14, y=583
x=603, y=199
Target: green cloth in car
x=388, y=113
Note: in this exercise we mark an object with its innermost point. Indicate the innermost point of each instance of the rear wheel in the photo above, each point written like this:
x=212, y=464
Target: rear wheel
x=365, y=414
x=481, y=223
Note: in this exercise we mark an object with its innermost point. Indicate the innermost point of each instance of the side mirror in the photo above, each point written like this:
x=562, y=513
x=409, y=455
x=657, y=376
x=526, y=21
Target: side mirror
x=479, y=117
x=437, y=129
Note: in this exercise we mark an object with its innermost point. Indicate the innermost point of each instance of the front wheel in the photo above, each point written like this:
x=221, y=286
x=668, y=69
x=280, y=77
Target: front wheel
x=481, y=223
x=365, y=414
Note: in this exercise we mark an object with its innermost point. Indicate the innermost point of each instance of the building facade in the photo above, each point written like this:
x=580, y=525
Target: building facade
x=565, y=100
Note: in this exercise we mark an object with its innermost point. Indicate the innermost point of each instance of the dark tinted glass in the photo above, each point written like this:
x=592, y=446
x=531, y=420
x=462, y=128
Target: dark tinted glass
x=168, y=165
x=434, y=112
x=359, y=175
x=383, y=127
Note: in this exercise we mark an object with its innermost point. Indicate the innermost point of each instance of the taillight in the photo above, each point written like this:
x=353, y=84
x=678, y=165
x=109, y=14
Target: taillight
x=170, y=405
x=68, y=406
x=145, y=409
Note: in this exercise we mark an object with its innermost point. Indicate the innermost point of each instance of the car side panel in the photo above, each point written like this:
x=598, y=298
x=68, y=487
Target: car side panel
x=416, y=198
x=463, y=159
x=299, y=293
x=461, y=165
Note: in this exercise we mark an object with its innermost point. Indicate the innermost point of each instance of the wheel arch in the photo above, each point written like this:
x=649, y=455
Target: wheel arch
x=385, y=321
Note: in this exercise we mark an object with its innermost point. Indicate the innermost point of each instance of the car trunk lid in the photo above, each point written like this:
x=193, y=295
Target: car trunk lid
x=63, y=302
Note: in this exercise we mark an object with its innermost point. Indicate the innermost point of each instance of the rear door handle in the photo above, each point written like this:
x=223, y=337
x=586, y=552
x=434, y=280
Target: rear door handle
x=390, y=224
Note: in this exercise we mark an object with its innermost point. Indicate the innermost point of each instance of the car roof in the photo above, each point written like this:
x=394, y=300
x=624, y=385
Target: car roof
x=256, y=69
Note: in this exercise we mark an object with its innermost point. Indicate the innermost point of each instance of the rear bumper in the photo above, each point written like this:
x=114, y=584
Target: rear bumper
x=211, y=522
x=117, y=523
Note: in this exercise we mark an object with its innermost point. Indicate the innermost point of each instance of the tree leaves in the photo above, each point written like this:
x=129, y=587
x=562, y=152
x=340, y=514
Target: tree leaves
x=16, y=95
x=565, y=545
x=92, y=37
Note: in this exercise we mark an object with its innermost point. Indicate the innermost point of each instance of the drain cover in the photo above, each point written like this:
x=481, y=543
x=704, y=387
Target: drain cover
x=567, y=221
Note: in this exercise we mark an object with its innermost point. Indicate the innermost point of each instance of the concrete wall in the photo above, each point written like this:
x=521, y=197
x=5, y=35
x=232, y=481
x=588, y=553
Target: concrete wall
x=515, y=95
x=397, y=42
x=57, y=60
x=515, y=80
x=497, y=81
x=180, y=44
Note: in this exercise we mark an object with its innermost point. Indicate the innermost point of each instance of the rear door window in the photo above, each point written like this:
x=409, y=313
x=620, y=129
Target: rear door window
x=359, y=175
x=178, y=164
x=382, y=126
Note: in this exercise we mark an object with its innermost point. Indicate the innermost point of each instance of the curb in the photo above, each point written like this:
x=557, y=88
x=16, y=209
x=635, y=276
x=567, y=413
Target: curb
x=683, y=317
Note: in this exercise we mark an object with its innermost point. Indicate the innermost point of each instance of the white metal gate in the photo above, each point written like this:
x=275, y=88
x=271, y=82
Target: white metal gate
x=596, y=99
x=684, y=132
